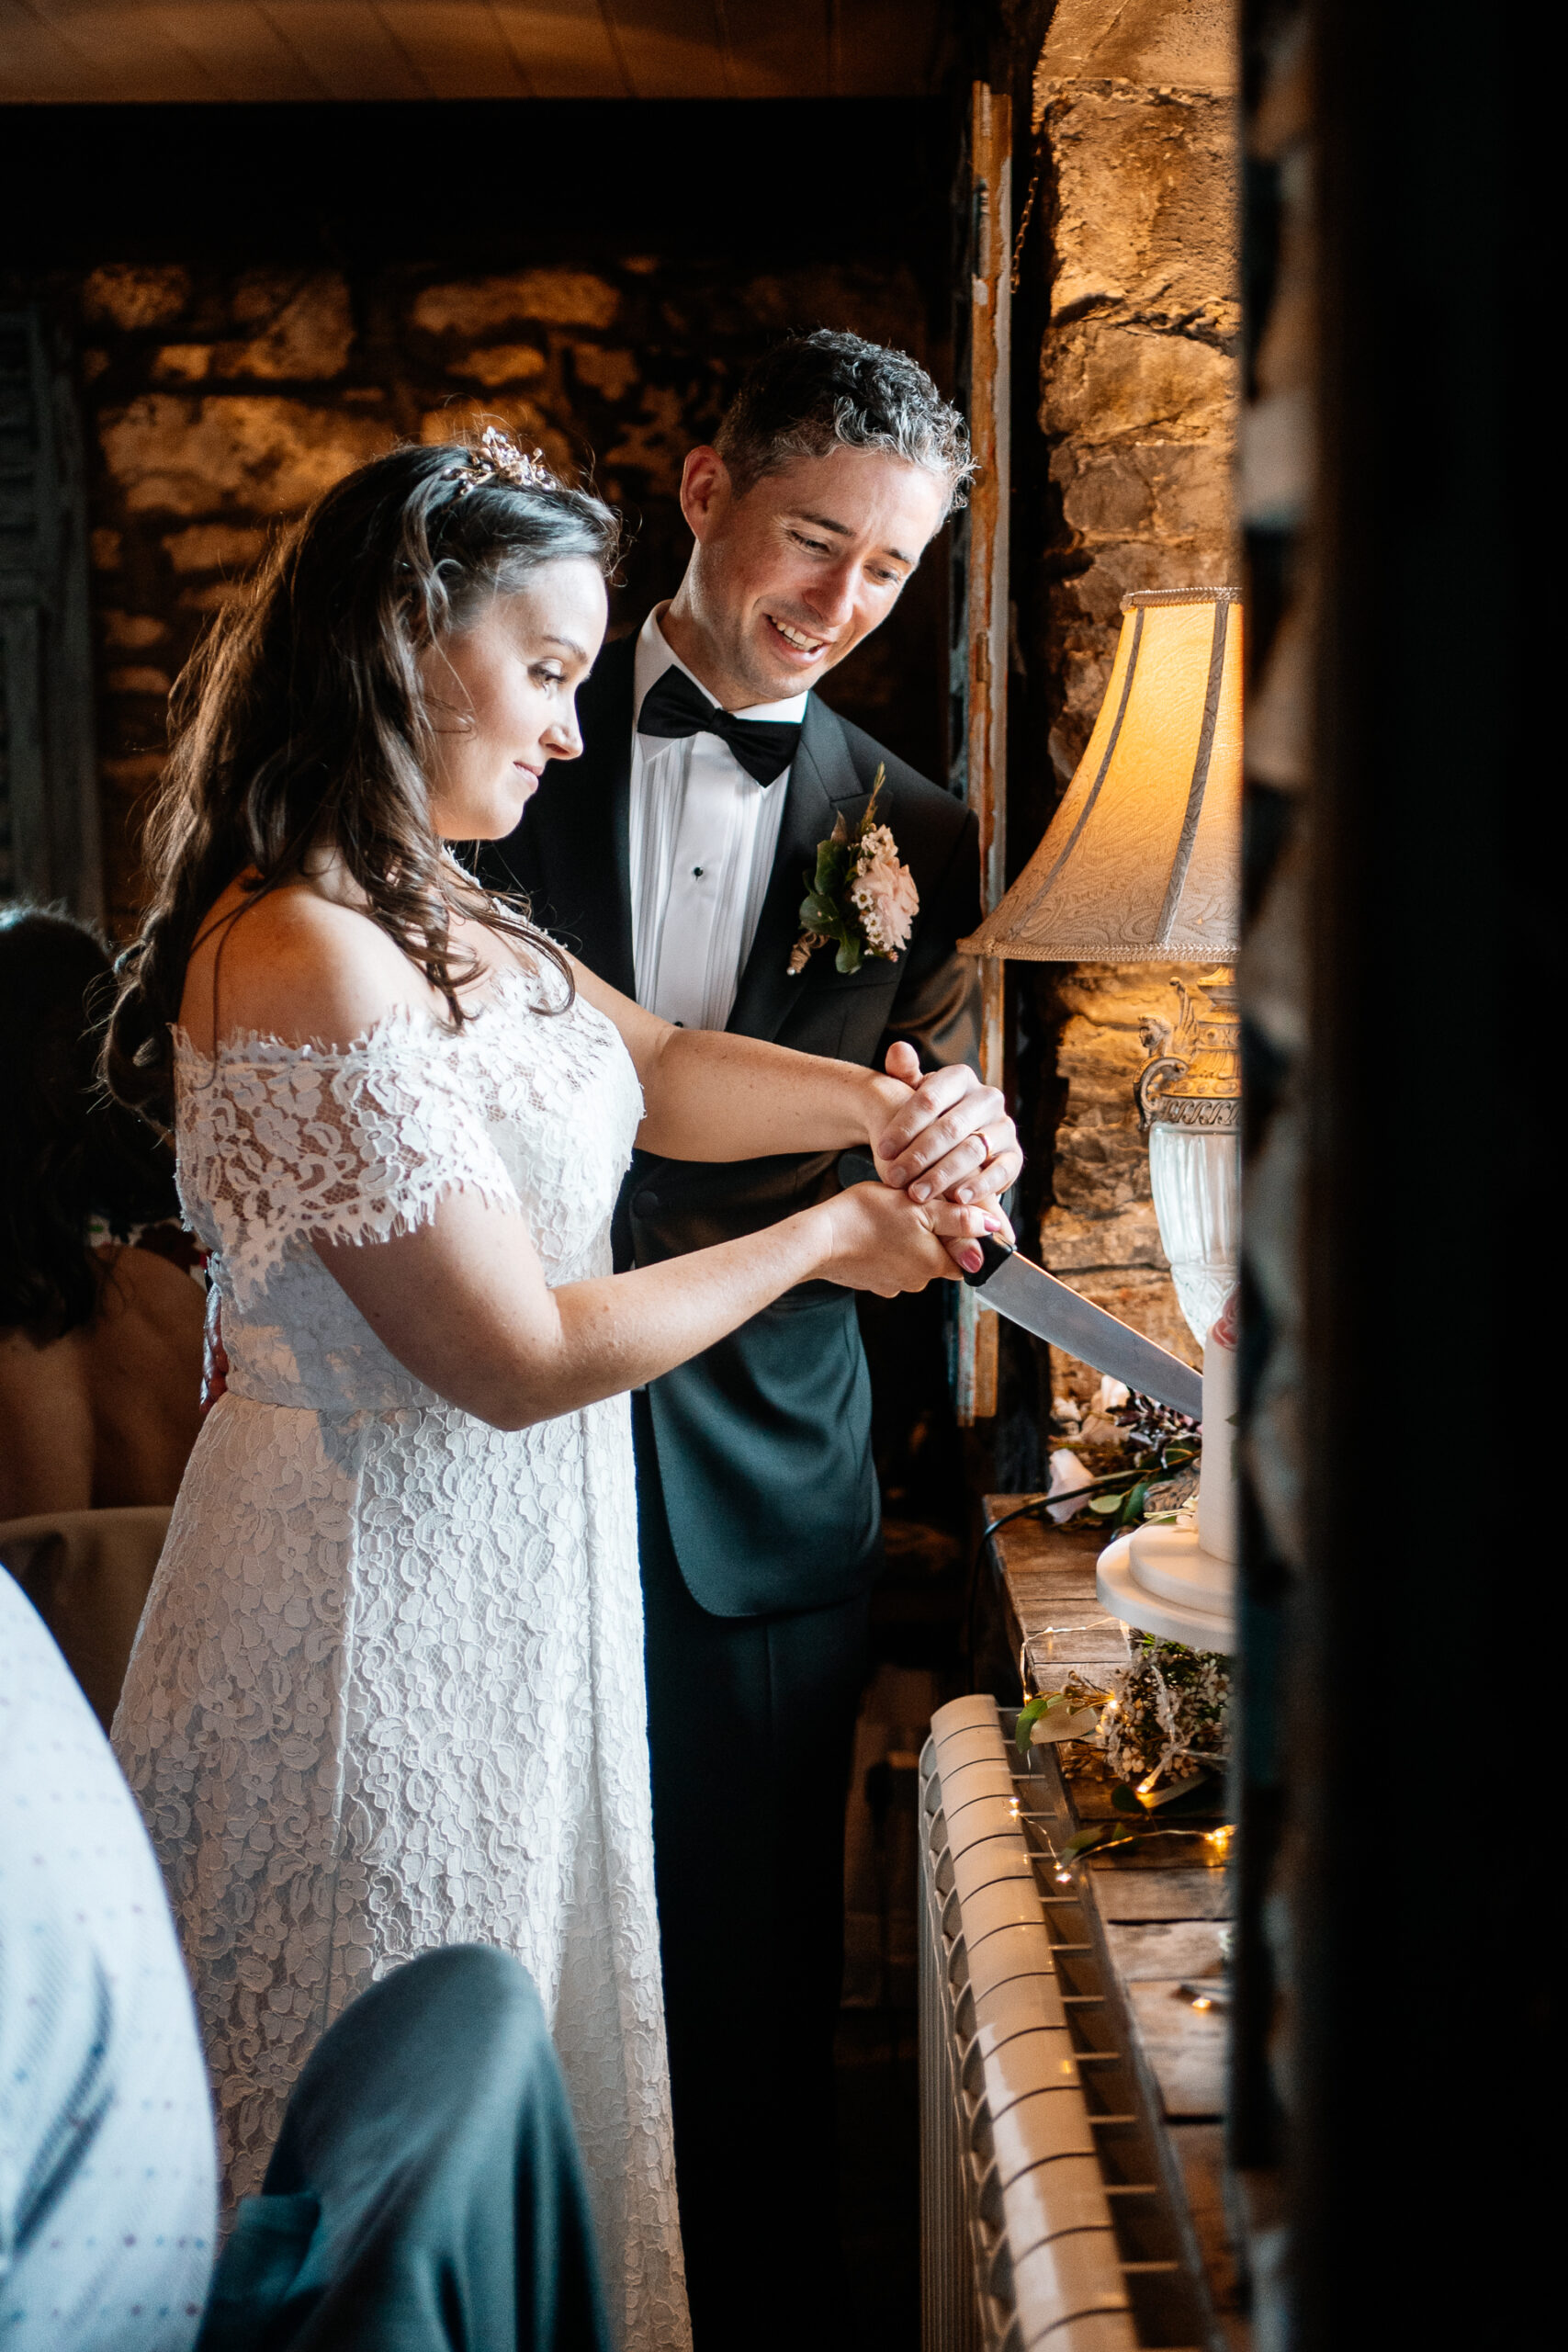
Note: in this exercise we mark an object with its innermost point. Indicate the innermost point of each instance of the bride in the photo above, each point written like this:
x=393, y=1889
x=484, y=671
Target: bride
x=388, y=1691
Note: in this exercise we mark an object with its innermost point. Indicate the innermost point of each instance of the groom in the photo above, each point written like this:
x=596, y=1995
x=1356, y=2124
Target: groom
x=672, y=855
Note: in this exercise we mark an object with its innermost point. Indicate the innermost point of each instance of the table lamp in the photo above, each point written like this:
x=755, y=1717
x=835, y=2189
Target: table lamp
x=1142, y=864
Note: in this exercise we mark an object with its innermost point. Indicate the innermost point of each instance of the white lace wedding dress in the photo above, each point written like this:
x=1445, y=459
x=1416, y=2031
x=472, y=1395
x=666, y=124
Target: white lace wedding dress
x=388, y=1692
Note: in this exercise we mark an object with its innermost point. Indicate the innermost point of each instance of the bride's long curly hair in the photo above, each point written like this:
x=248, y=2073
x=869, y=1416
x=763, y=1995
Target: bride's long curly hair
x=300, y=723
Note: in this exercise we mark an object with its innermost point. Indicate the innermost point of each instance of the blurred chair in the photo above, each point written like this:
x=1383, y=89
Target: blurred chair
x=108, y=2200
x=425, y=2193
x=87, y=1574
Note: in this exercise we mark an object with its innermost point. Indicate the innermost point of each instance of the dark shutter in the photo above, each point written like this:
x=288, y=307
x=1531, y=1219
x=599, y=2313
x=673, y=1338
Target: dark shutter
x=48, y=810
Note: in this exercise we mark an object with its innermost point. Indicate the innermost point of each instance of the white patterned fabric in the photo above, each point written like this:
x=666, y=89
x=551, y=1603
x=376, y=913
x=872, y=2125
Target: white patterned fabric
x=388, y=1693
x=107, y=2194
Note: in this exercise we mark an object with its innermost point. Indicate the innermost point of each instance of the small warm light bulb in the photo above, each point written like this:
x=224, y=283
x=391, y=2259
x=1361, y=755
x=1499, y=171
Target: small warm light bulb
x=1148, y=1781
x=1064, y=1878
x=1203, y=2002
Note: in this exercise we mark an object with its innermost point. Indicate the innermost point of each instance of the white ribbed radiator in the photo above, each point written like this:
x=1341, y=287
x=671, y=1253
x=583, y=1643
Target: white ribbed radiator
x=1018, y=2246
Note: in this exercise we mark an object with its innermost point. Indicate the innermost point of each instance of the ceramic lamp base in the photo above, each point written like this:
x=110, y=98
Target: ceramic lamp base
x=1171, y=1587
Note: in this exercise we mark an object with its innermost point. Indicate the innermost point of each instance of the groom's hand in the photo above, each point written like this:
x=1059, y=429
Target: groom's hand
x=952, y=1138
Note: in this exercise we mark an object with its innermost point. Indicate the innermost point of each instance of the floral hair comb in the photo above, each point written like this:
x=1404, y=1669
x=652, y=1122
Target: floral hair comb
x=499, y=458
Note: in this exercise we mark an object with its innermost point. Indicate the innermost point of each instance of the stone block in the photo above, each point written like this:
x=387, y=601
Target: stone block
x=1146, y=206
x=138, y=679
x=1176, y=493
x=1104, y=380
x=1099, y=1171
x=500, y=362
x=129, y=632
x=1125, y=1236
x=260, y=454
x=182, y=362
x=1120, y=995
x=106, y=551
x=568, y=298
x=1101, y=1095
x=130, y=295
x=1147, y=41
x=1105, y=494
x=1093, y=598
x=304, y=329
x=214, y=546
x=1103, y=1044
x=604, y=370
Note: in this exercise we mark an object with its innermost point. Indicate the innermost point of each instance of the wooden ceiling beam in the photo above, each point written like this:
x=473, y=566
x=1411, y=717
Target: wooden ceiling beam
x=105, y=52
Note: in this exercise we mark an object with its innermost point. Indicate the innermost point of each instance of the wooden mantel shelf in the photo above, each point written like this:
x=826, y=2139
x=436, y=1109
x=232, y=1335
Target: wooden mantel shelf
x=1046, y=1574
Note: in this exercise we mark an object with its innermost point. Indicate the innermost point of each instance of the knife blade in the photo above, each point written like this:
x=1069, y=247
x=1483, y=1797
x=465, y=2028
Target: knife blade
x=1028, y=1295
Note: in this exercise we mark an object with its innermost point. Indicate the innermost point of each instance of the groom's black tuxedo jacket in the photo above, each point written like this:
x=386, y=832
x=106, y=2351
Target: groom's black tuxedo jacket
x=764, y=1441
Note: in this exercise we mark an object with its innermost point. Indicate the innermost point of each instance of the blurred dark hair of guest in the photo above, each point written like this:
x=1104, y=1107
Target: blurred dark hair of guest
x=99, y=1345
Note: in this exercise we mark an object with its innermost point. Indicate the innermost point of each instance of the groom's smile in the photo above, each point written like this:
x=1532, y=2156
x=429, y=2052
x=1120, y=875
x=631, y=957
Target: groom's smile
x=809, y=648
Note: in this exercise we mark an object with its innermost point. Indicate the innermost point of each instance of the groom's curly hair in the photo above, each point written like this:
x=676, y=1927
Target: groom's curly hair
x=300, y=720
x=816, y=392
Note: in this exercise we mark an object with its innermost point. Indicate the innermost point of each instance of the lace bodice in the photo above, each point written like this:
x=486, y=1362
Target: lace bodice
x=279, y=1146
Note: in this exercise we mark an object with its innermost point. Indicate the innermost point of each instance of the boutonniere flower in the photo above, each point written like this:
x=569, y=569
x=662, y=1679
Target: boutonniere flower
x=861, y=895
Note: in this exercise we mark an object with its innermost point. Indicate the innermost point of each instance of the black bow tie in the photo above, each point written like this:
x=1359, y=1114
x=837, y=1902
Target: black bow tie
x=673, y=706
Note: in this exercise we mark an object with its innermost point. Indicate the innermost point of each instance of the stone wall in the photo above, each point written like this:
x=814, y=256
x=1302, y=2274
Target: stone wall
x=219, y=401
x=1134, y=116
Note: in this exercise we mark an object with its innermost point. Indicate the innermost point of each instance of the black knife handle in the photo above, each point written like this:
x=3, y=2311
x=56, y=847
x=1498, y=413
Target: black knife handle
x=994, y=1255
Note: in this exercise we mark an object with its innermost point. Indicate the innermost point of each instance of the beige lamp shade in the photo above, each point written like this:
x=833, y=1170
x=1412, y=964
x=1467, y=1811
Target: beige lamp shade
x=1142, y=861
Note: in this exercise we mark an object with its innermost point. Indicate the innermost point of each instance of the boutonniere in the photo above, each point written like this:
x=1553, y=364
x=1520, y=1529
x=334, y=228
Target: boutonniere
x=861, y=895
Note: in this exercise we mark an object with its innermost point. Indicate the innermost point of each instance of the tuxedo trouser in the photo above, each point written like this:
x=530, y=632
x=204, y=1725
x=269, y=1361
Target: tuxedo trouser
x=751, y=1732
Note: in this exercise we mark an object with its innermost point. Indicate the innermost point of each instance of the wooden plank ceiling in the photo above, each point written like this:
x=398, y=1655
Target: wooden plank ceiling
x=63, y=51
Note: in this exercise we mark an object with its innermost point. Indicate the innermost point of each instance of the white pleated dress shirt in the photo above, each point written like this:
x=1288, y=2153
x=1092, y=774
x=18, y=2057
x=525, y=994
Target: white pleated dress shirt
x=703, y=837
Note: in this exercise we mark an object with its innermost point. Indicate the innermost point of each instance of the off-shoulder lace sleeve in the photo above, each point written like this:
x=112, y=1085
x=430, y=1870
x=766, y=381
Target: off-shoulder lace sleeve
x=281, y=1146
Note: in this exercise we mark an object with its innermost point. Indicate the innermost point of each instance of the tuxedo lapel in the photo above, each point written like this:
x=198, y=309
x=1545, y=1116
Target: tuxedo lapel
x=580, y=821
x=821, y=775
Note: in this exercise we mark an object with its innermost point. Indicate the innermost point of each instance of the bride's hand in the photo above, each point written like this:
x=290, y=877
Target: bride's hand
x=880, y=1240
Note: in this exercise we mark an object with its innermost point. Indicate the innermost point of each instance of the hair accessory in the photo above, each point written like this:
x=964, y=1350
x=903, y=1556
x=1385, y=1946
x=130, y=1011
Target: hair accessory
x=499, y=458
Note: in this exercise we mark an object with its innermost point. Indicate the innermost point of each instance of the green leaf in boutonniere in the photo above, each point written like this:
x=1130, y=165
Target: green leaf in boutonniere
x=833, y=858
